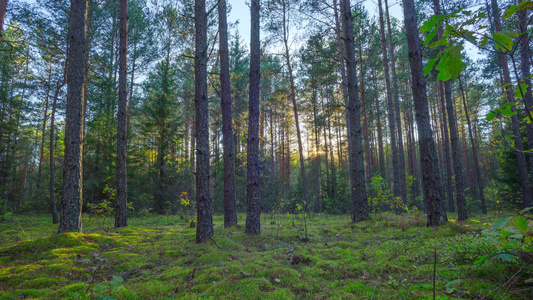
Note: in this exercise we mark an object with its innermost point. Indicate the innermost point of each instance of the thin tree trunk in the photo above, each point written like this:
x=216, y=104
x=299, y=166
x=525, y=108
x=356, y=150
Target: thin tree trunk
x=353, y=120
x=43, y=130
x=527, y=194
x=401, y=154
x=295, y=107
x=132, y=83
x=525, y=55
x=368, y=156
x=428, y=154
x=3, y=9
x=253, y=224
x=392, y=121
x=380, y=134
x=454, y=140
x=479, y=177
x=230, y=206
x=51, y=185
x=204, y=228
x=448, y=161
x=121, y=211
x=72, y=166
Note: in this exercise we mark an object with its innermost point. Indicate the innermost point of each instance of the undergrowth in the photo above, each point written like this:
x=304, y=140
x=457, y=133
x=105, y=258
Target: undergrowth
x=386, y=257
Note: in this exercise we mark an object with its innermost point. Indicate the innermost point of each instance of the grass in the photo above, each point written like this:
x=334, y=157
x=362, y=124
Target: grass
x=386, y=257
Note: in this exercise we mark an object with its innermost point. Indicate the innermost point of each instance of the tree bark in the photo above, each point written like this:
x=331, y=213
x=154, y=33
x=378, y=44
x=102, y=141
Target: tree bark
x=392, y=121
x=525, y=55
x=380, y=134
x=204, y=228
x=253, y=213
x=121, y=211
x=353, y=120
x=447, y=156
x=401, y=154
x=454, y=140
x=43, y=129
x=230, y=206
x=479, y=177
x=527, y=194
x=428, y=154
x=72, y=166
x=3, y=9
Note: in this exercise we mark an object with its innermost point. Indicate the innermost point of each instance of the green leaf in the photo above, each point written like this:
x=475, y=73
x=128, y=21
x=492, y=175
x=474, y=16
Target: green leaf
x=428, y=25
x=517, y=93
x=521, y=223
x=491, y=116
x=513, y=9
x=429, y=67
x=456, y=281
x=508, y=112
x=499, y=224
x=503, y=42
x=451, y=63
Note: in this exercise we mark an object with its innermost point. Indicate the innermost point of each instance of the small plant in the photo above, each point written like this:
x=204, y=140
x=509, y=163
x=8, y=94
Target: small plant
x=101, y=211
x=103, y=291
x=513, y=236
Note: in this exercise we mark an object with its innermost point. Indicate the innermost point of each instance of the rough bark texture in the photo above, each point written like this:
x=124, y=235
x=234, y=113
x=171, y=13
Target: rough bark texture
x=3, y=8
x=204, y=229
x=380, y=135
x=121, y=210
x=353, y=120
x=447, y=156
x=390, y=107
x=401, y=154
x=230, y=206
x=428, y=153
x=456, y=155
x=72, y=166
x=527, y=194
x=253, y=213
x=479, y=177
x=525, y=55
x=454, y=139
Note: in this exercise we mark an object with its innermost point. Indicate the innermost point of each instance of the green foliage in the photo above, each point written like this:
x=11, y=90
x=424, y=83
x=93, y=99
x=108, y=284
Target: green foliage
x=512, y=236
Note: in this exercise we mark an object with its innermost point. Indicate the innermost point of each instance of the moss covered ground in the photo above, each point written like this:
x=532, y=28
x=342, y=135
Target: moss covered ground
x=386, y=257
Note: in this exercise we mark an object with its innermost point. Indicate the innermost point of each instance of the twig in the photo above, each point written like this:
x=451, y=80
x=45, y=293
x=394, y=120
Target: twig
x=373, y=292
x=434, y=270
x=506, y=283
x=215, y=243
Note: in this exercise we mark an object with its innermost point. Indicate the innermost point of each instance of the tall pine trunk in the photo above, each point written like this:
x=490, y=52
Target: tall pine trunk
x=72, y=166
x=390, y=107
x=204, y=209
x=353, y=120
x=3, y=9
x=121, y=211
x=479, y=177
x=428, y=154
x=525, y=65
x=454, y=139
x=447, y=156
x=527, y=194
x=230, y=206
x=253, y=224
x=397, y=114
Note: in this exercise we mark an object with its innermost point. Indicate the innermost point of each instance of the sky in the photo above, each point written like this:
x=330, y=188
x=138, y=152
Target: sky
x=240, y=11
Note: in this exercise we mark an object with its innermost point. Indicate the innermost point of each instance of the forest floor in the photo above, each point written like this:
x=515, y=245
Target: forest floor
x=156, y=257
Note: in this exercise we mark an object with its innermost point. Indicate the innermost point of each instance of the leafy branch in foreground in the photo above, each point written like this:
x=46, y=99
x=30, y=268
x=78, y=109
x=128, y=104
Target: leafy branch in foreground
x=464, y=25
